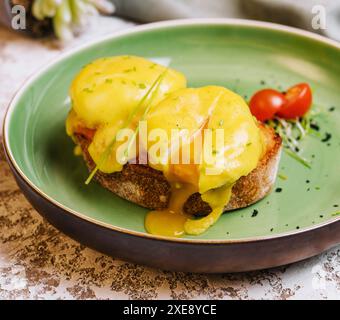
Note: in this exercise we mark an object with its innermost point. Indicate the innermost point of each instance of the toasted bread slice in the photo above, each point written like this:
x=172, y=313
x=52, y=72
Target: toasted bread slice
x=148, y=187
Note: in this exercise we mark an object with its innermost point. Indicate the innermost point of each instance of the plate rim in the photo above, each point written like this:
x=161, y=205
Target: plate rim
x=136, y=30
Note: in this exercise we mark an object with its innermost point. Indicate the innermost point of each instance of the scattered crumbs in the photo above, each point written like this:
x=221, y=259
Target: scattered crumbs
x=97, y=73
x=327, y=137
x=108, y=80
x=142, y=86
x=307, y=181
x=227, y=232
x=241, y=215
x=317, y=188
x=308, y=189
x=336, y=206
x=297, y=149
x=321, y=216
x=286, y=224
x=313, y=222
x=328, y=144
x=263, y=82
x=271, y=230
x=153, y=66
x=313, y=156
x=248, y=144
x=221, y=123
x=278, y=189
x=123, y=81
x=282, y=176
x=297, y=227
x=245, y=97
x=268, y=202
x=331, y=109
x=255, y=213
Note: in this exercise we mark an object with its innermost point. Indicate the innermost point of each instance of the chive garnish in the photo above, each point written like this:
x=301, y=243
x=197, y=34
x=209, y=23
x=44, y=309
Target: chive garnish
x=139, y=105
x=160, y=79
x=129, y=70
x=298, y=158
x=282, y=176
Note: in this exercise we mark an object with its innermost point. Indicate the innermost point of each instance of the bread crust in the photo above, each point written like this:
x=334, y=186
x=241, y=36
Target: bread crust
x=148, y=187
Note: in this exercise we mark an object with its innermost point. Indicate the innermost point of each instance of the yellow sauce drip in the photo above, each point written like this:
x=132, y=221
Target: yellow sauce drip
x=170, y=221
x=174, y=222
x=217, y=199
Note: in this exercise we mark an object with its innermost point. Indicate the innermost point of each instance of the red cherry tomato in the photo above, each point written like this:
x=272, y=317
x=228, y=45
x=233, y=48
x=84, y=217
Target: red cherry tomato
x=298, y=101
x=264, y=104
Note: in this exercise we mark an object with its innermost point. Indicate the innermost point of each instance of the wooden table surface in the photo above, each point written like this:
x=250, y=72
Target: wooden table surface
x=39, y=262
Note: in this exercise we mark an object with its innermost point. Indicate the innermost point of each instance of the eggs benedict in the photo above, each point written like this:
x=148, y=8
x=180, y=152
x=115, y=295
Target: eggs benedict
x=181, y=152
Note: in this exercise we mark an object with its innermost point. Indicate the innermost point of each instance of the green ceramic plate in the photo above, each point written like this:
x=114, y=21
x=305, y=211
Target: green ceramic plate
x=244, y=56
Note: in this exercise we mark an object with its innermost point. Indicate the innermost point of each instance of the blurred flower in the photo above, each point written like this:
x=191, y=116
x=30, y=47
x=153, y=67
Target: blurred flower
x=69, y=16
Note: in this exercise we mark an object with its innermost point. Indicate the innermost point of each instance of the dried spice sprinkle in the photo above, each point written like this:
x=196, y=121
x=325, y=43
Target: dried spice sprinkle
x=255, y=213
x=327, y=137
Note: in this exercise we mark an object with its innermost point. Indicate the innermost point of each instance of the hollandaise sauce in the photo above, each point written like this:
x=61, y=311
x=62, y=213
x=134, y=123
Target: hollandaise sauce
x=215, y=119
x=171, y=221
